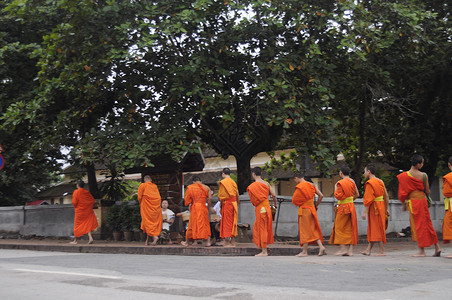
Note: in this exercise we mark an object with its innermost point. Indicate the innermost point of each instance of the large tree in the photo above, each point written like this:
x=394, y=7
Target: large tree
x=30, y=165
x=397, y=64
x=237, y=75
x=130, y=79
x=240, y=75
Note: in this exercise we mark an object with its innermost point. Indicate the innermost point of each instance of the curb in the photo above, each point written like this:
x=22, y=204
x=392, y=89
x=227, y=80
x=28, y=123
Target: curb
x=160, y=250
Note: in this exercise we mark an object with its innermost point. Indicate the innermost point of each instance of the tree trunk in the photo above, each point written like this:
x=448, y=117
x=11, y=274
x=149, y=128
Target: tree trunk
x=243, y=173
x=92, y=181
x=359, y=160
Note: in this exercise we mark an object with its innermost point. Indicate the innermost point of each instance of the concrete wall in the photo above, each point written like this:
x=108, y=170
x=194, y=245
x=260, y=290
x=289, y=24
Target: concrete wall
x=11, y=219
x=287, y=225
x=41, y=220
x=58, y=220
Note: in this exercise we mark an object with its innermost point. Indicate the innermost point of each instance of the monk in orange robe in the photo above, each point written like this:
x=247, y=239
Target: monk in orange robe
x=263, y=226
x=447, y=191
x=308, y=223
x=85, y=220
x=412, y=195
x=345, y=228
x=198, y=224
x=151, y=213
x=229, y=197
x=375, y=202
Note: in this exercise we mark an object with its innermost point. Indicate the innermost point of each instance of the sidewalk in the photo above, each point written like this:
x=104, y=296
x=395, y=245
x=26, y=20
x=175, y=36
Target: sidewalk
x=242, y=249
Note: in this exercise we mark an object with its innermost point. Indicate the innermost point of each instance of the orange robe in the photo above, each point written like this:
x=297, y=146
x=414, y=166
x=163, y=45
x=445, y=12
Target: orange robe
x=447, y=222
x=411, y=190
x=229, y=209
x=263, y=226
x=198, y=224
x=376, y=210
x=150, y=210
x=84, y=220
x=308, y=223
x=345, y=228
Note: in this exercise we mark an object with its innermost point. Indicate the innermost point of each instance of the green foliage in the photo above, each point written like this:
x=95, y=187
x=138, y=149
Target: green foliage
x=127, y=216
x=122, y=82
x=31, y=164
x=114, y=218
x=115, y=188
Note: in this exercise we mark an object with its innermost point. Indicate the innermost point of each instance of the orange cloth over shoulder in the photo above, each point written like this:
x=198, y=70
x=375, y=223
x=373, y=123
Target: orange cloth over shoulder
x=412, y=189
x=447, y=223
x=345, y=228
x=308, y=223
x=84, y=220
x=198, y=225
x=229, y=210
x=263, y=226
x=376, y=213
x=150, y=208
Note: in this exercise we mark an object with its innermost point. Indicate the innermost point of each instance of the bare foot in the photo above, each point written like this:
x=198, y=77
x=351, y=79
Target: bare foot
x=380, y=254
x=348, y=254
x=365, y=253
x=154, y=242
x=449, y=256
x=261, y=254
x=184, y=243
x=146, y=243
x=73, y=243
x=90, y=242
x=419, y=255
x=302, y=254
x=208, y=245
x=341, y=253
x=322, y=252
x=437, y=253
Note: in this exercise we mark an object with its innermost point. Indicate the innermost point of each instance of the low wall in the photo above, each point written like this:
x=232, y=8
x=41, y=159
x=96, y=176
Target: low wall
x=42, y=220
x=58, y=220
x=286, y=224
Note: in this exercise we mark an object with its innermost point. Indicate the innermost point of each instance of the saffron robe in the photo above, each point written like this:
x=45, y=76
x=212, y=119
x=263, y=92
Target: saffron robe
x=447, y=222
x=84, y=219
x=411, y=191
x=229, y=209
x=376, y=210
x=263, y=226
x=198, y=224
x=308, y=223
x=150, y=210
x=345, y=228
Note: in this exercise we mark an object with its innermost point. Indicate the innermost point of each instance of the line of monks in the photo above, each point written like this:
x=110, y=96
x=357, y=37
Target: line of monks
x=413, y=193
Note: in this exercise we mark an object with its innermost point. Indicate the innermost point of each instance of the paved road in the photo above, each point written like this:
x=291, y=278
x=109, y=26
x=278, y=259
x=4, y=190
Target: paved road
x=53, y=275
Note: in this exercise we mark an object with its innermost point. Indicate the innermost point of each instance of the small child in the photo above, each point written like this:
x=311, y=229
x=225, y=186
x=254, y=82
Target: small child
x=168, y=220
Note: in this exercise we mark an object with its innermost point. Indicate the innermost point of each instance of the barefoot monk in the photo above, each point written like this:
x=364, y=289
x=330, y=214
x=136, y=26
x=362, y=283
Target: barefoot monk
x=259, y=191
x=308, y=222
x=375, y=202
x=198, y=225
x=151, y=213
x=412, y=194
x=345, y=228
x=85, y=220
x=229, y=197
x=447, y=192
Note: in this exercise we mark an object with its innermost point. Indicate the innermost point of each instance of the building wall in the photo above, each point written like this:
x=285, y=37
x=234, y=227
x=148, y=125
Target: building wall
x=325, y=185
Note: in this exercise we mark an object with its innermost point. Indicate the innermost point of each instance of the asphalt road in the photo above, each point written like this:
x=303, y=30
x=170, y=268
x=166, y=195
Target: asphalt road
x=53, y=275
